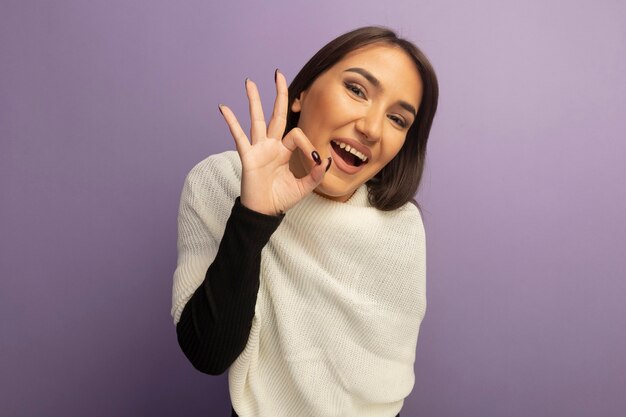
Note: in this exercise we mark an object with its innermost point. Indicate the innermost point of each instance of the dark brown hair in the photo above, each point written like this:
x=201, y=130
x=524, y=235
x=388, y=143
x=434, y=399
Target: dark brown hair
x=398, y=181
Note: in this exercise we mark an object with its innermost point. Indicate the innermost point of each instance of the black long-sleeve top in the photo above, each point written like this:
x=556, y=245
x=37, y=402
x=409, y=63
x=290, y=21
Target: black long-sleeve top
x=215, y=323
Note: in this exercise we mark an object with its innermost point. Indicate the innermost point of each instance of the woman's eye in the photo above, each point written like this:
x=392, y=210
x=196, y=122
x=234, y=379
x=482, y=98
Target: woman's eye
x=355, y=89
x=397, y=120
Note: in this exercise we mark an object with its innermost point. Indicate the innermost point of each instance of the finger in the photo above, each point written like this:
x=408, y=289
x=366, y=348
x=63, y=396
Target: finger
x=257, y=120
x=309, y=182
x=296, y=139
x=241, y=140
x=279, y=115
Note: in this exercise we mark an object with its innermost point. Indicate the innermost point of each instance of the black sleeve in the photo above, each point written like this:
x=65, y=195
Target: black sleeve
x=215, y=323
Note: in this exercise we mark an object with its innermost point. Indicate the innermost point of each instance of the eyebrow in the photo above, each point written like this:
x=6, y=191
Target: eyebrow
x=376, y=83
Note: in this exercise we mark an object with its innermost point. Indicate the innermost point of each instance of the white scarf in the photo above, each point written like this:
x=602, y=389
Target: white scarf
x=341, y=298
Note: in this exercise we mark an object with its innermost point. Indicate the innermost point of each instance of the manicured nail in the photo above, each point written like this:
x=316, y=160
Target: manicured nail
x=276, y=75
x=329, y=161
x=246, y=82
x=316, y=157
x=219, y=106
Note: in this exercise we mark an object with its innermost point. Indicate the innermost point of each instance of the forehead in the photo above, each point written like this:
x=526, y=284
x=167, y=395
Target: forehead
x=388, y=63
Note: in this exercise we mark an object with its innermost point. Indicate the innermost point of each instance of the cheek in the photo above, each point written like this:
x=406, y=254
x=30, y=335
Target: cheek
x=394, y=145
x=328, y=109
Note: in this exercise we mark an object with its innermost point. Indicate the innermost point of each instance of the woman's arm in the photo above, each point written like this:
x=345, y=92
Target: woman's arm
x=215, y=323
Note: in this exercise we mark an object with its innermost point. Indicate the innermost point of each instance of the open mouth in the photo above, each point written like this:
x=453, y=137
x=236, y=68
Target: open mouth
x=349, y=155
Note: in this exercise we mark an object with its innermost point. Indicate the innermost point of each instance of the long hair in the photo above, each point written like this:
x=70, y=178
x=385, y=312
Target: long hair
x=397, y=183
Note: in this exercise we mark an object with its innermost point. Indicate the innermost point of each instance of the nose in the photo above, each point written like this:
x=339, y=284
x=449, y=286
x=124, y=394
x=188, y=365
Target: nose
x=370, y=125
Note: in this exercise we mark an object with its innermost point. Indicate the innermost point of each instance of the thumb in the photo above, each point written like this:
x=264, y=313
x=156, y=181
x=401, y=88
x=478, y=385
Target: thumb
x=315, y=176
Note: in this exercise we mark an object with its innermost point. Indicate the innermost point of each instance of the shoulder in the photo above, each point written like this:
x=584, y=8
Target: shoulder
x=410, y=209
x=214, y=181
x=417, y=206
x=409, y=219
x=221, y=170
x=223, y=165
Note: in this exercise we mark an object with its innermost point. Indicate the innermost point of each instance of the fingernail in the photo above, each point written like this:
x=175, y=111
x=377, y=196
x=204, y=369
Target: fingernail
x=329, y=161
x=246, y=82
x=276, y=75
x=219, y=106
x=316, y=157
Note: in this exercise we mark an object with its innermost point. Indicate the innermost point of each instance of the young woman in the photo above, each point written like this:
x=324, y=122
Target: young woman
x=301, y=258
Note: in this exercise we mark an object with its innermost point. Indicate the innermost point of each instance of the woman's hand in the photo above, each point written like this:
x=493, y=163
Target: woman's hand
x=267, y=184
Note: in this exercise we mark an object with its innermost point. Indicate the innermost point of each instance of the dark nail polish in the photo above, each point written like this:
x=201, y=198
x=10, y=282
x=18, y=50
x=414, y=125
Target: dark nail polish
x=276, y=75
x=246, y=82
x=219, y=106
x=316, y=157
x=329, y=161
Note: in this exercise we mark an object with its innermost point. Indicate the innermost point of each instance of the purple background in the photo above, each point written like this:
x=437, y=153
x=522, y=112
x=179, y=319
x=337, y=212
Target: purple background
x=105, y=106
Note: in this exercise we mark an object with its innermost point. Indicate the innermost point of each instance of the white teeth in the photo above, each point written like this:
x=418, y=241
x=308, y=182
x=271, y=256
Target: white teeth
x=350, y=149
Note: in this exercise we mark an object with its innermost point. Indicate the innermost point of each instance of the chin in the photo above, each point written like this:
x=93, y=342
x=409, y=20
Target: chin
x=335, y=191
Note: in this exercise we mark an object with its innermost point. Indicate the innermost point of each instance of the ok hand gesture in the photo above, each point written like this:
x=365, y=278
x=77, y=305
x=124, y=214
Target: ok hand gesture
x=267, y=184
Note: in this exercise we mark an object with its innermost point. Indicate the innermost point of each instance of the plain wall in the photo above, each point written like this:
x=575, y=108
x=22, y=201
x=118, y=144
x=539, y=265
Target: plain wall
x=105, y=106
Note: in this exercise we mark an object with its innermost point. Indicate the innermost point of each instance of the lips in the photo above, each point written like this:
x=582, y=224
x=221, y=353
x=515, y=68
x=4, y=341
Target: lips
x=344, y=153
x=349, y=156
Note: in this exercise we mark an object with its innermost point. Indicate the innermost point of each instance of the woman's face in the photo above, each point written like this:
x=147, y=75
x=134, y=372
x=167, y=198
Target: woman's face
x=358, y=112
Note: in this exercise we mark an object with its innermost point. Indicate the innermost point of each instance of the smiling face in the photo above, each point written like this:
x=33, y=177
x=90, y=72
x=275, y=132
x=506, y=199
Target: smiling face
x=358, y=112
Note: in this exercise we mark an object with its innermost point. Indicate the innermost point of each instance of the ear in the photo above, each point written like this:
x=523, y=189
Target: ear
x=296, y=106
